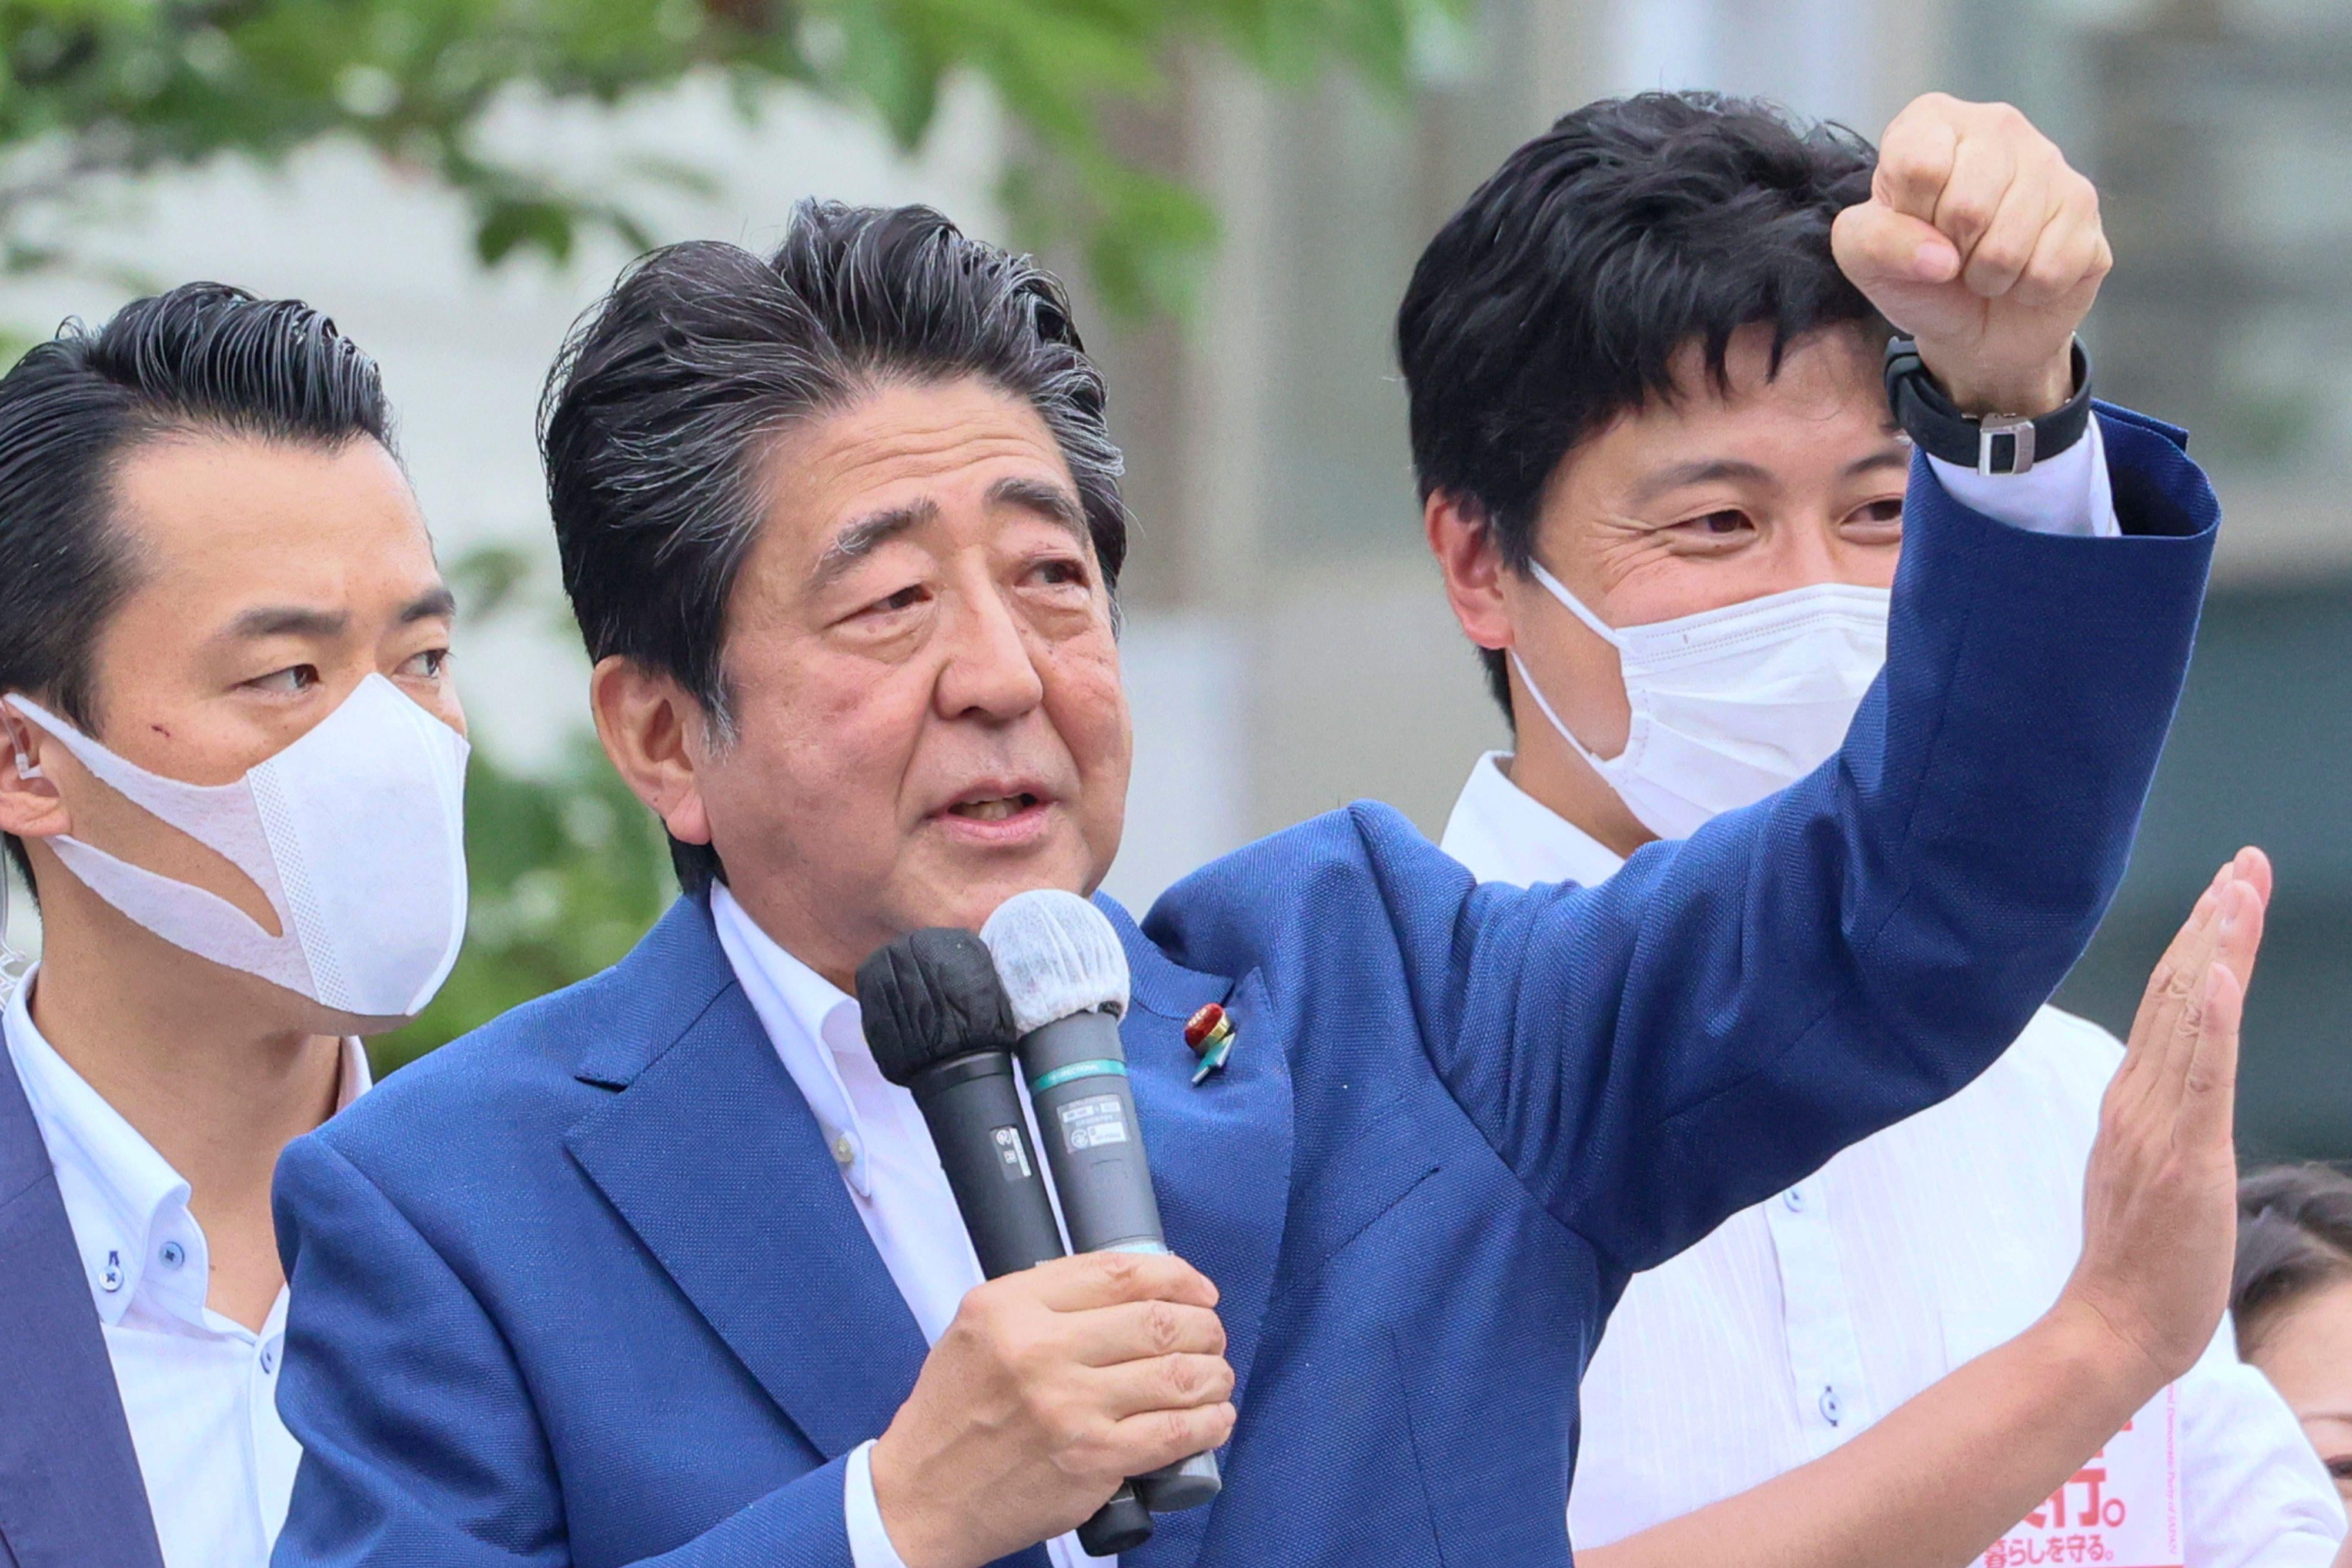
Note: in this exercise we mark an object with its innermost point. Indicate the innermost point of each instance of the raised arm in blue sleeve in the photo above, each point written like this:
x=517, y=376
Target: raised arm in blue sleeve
x=1727, y=1012
x=421, y=1444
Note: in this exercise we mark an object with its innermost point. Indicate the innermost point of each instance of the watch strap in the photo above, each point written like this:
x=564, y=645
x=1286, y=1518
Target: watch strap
x=1993, y=443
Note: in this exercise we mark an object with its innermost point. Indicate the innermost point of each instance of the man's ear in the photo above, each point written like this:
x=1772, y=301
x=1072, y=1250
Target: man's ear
x=654, y=732
x=30, y=806
x=1467, y=554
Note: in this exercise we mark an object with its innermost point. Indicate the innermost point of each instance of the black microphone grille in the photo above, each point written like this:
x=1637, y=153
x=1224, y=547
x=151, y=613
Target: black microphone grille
x=929, y=995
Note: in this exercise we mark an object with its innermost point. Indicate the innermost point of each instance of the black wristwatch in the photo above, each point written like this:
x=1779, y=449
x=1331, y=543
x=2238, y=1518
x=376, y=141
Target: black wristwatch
x=1995, y=444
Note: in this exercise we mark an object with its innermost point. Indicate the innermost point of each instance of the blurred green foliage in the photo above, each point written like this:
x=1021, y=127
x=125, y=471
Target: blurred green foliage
x=567, y=871
x=565, y=868
x=96, y=86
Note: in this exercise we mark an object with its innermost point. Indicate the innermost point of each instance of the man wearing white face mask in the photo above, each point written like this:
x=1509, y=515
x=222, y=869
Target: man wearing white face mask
x=1664, y=448
x=231, y=774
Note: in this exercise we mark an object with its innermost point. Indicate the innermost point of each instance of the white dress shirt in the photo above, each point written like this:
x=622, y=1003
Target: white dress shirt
x=888, y=1162
x=1803, y=1320
x=199, y=1390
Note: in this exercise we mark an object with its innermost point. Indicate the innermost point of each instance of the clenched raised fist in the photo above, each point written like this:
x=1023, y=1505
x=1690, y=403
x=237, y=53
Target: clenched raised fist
x=1980, y=242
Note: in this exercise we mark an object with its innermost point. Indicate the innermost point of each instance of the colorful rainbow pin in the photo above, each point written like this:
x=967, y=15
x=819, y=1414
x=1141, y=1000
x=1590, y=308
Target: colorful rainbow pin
x=1209, y=1034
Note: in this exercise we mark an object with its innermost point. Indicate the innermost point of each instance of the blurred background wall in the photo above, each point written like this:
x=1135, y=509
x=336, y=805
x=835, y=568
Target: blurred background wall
x=1288, y=648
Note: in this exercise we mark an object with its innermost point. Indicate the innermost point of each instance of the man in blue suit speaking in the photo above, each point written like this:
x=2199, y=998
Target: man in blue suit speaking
x=658, y=1270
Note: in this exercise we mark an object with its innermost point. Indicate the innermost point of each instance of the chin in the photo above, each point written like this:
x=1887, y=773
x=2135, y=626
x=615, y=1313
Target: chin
x=968, y=898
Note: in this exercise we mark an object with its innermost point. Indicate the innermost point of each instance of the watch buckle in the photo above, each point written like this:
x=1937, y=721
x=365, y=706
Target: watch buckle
x=2021, y=434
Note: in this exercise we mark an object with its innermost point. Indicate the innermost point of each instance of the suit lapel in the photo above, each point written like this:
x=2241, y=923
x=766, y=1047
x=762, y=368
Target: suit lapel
x=713, y=1158
x=70, y=1492
x=1220, y=1159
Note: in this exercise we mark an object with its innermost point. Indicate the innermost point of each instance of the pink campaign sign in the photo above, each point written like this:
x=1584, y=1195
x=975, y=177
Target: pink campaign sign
x=2122, y=1509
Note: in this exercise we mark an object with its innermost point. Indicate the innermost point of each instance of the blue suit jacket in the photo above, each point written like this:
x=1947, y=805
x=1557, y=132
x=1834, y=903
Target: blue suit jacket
x=585, y=1287
x=70, y=1494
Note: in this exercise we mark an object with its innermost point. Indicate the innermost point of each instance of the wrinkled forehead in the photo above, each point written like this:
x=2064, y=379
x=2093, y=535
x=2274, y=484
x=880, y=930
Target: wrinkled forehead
x=904, y=455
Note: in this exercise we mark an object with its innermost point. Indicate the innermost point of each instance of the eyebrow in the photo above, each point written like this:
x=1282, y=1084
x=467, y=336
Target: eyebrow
x=1702, y=472
x=437, y=604
x=289, y=620
x=1706, y=471
x=861, y=539
x=1893, y=454
x=1049, y=501
x=867, y=535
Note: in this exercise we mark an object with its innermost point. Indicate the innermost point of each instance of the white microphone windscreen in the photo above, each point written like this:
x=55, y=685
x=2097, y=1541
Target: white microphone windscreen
x=1057, y=956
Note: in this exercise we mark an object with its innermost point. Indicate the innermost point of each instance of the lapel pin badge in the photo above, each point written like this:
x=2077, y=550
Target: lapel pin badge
x=1209, y=1034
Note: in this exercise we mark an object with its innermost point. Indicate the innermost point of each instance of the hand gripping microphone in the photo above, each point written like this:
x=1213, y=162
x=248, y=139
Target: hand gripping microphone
x=939, y=1025
x=1065, y=974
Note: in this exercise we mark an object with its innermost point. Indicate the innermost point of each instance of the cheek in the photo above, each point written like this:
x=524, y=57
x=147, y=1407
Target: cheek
x=1088, y=705
x=828, y=744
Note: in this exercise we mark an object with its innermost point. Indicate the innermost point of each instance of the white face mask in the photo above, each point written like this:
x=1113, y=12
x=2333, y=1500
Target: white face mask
x=355, y=834
x=1734, y=704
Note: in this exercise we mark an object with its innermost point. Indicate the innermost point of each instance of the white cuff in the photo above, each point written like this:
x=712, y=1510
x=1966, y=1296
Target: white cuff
x=2069, y=493
x=869, y=1543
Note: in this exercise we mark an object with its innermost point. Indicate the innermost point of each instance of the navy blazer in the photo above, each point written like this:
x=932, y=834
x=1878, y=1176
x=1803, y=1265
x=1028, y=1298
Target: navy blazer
x=70, y=1494
x=586, y=1286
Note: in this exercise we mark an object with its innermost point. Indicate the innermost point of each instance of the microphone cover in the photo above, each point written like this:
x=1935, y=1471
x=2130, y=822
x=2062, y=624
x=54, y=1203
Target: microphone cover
x=1057, y=956
x=931, y=996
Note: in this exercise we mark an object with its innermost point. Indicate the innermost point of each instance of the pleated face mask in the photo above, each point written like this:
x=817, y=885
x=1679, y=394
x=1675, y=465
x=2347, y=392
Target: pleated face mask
x=1730, y=705
x=354, y=834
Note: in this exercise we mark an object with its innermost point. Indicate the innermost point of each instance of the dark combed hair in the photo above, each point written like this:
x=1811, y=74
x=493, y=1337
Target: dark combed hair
x=670, y=392
x=2294, y=1237
x=204, y=357
x=1558, y=298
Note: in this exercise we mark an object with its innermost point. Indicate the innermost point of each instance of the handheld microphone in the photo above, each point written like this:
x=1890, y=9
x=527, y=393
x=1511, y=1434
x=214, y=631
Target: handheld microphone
x=1065, y=974
x=939, y=1025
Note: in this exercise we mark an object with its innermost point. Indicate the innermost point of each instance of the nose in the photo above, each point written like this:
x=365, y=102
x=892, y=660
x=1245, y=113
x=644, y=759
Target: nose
x=1819, y=552
x=989, y=671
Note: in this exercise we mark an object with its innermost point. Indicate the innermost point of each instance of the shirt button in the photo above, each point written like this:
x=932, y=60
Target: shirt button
x=1795, y=1198
x=268, y=1358
x=844, y=1151
x=1830, y=1406
x=112, y=1278
x=172, y=1254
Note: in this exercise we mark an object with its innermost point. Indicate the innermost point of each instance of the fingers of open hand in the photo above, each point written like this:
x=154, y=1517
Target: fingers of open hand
x=2179, y=1022
x=2209, y=1097
x=2241, y=939
x=2254, y=867
x=2149, y=1070
x=2166, y=983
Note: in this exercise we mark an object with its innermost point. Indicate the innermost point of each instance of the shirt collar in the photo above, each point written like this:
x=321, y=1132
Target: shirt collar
x=809, y=1021
x=1502, y=833
x=124, y=1200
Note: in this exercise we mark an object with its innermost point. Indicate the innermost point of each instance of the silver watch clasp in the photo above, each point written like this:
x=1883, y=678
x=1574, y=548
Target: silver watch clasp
x=1989, y=431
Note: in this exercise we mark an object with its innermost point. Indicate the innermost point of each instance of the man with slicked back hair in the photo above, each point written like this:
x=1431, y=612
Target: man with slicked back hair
x=216, y=592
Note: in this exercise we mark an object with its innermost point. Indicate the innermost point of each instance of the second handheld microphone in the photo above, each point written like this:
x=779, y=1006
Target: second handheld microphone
x=1065, y=976
x=938, y=1026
